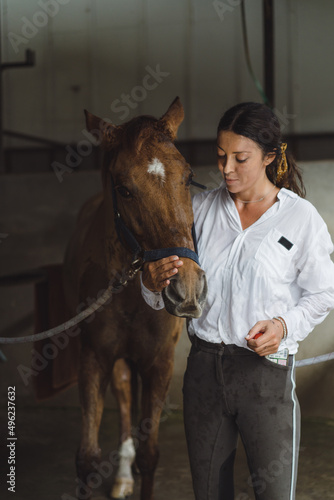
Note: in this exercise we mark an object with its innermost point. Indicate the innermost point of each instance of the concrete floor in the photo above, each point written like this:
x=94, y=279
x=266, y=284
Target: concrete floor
x=48, y=437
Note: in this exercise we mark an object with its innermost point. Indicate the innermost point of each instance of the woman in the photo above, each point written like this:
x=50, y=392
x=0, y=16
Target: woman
x=266, y=254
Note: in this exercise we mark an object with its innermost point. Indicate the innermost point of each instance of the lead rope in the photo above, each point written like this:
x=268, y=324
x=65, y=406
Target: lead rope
x=115, y=287
x=136, y=265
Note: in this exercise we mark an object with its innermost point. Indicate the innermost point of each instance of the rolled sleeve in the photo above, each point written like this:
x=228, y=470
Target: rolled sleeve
x=153, y=299
x=316, y=281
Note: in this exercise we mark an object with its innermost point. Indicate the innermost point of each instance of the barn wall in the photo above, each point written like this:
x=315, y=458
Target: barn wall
x=93, y=53
x=37, y=215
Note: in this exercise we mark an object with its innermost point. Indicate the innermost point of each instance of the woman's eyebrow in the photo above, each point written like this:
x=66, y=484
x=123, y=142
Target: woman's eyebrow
x=234, y=152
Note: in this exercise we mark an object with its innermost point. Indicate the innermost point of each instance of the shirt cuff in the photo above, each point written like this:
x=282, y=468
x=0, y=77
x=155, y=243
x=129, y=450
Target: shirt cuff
x=153, y=299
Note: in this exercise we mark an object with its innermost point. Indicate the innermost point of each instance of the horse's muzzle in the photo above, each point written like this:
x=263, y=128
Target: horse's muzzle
x=185, y=296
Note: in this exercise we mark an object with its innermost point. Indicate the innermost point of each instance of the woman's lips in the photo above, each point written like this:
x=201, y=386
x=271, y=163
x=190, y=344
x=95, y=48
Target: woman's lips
x=230, y=181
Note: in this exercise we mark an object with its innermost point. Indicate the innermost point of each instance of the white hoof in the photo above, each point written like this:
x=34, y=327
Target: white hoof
x=122, y=488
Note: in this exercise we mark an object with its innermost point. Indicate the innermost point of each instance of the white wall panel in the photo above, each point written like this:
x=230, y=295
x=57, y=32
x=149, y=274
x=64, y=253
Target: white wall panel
x=116, y=60
x=212, y=77
x=159, y=12
x=117, y=13
x=315, y=59
x=167, y=52
x=92, y=51
x=69, y=90
x=71, y=17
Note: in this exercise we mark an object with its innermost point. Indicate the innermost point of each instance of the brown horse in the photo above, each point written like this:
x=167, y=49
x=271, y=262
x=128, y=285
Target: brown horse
x=150, y=181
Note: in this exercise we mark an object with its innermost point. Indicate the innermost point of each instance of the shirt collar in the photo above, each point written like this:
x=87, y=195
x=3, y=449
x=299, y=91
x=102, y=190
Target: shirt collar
x=281, y=195
x=233, y=212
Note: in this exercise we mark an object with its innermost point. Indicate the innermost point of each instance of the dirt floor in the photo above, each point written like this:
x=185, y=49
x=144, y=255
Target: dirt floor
x=47, y=438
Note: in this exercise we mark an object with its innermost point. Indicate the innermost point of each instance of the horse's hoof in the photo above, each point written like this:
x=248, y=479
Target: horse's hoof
x=122, y=488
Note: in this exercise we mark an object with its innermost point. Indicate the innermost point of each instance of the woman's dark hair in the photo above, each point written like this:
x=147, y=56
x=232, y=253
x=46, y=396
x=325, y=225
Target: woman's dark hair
x=257, y=122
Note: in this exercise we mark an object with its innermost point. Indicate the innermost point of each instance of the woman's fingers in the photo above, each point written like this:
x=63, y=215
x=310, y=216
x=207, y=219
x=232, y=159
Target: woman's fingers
x=164, y=266
x=268, y=346
x=259, y=327
x=156, y=274
x=269, y=340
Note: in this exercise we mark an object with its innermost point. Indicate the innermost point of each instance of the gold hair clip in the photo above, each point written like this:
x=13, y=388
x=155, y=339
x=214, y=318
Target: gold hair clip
x=283, y=164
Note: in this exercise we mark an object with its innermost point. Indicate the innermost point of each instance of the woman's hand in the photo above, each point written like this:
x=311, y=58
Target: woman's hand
x=269, y=342
x=155, y=274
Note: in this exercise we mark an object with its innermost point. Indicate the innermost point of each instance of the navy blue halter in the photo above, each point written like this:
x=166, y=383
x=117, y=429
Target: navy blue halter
x=128, y=239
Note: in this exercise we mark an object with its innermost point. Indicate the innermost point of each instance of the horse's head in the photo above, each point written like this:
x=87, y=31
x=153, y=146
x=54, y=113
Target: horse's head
x=152, y=185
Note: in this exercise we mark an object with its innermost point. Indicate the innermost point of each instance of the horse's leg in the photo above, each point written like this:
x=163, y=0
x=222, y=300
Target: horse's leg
x=156, y=382
x=92, y=385
x=121, y=388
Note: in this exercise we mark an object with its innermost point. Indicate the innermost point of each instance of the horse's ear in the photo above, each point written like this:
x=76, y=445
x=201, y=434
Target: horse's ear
x=103, y=132
x=173, y=117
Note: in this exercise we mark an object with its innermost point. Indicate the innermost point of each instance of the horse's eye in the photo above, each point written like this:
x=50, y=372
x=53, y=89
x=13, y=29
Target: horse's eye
x=124, y=192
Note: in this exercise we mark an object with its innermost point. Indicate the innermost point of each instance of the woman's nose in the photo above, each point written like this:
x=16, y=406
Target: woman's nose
x=227, y=166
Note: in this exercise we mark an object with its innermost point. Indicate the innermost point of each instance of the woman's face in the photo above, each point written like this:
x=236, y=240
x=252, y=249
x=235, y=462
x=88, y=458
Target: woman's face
x=242, y=163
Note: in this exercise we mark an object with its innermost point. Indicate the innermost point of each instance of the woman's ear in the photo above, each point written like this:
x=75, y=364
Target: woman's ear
x=269, y=158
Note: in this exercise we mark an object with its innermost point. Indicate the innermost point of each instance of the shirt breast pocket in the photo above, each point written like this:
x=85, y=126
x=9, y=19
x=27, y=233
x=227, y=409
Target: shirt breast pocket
x=275, y=256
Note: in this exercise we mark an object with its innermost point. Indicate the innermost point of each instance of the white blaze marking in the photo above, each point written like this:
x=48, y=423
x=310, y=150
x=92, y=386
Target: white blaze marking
x=157, y=168
x=127, y=454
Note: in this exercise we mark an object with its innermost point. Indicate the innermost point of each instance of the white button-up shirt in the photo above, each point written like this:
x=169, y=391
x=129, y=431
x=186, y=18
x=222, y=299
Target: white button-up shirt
x=278, y=266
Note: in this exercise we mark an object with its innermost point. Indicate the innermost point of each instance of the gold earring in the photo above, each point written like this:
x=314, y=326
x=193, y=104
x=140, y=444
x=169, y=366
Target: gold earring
x=283, y=164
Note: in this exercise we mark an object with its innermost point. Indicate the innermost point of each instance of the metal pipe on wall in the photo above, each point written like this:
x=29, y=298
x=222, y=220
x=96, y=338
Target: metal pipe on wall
x=28, y=62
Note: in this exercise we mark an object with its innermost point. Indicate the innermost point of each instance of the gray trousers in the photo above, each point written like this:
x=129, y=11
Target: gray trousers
x=230, y=391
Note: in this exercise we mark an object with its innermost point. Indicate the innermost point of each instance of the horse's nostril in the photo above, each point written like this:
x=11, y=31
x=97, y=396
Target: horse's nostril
x=190, y=308
x=174, y=292
x=185, y=297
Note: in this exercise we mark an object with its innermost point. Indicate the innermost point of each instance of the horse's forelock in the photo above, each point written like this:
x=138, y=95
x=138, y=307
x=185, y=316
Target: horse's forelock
x=141, y=129
x=133, y=136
